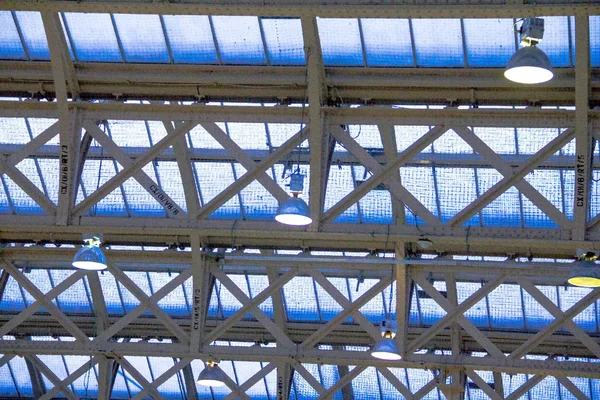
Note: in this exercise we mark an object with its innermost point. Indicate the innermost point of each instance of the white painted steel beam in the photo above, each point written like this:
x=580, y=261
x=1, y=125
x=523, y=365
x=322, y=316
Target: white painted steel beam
x=583, y=144
x=330, y=357
x=327, y=8
x=366, y=115
x=316, y=96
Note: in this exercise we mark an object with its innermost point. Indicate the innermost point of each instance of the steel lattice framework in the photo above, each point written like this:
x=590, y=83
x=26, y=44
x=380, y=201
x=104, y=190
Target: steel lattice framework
x=85, y=94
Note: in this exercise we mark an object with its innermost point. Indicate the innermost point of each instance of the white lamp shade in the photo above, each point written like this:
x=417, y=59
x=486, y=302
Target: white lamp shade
x=585, y=273
x=212, y=375
x=90, y=258
x=294, y=211
x=529, y=65
x=386, y=349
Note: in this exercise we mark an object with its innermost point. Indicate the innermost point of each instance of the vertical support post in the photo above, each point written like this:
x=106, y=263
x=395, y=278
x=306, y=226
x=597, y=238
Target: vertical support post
x=284, y=370
x=583, y=138
x=104, y=378
x=343, y=370
x=458, y=377
x=403, y=299
x=202, y=284
x=317, y=93
x=99, y=302
x=69, y=124
x=390, y=149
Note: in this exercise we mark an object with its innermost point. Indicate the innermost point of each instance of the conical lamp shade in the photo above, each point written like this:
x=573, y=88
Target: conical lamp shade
x=529, y=65
x=90, y=258
x=585, y=273
x=211, y=375
x=294, y=211
x=386, y=349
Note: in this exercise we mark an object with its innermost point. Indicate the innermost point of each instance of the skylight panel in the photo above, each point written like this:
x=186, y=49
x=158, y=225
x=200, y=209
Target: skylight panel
x=438, y=42
x=556, y=41
x=49, y=169
x=7, y=384
x=213, y=178
x=568, y=297
x=21, y=202
x=407, y=135
x=14, y=131
x=505, y=209
x=113, y=204
x=171, y=182
x=93, y=37
x=595, y=40
x=501, y=140
x=506, y=309
x=489, y=42
x=191, y=39
x=376, y=207
x=174, y=303
x=21, y=376
x=239, y=40
x=340, y=41
x=249, y=136
x=456, y=190
x=74, y=299
x=34, y=35
x=536, y=316
x=11, y=47
x=534, y=217
x=548, y=183
x=140, y=201
x=142, y=38
x=387, y=42
x=451, y=143
x=366, y=385
x=419, y=181
x=283, y=38
x=257, y=201
x=340, y=183
x=300, y=300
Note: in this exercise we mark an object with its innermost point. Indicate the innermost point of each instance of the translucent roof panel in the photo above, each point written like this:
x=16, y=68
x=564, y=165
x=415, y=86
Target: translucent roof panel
x=438, y=43
x=595, y=41
x=284, y=41
x=191, y=39
x=239, y=40
x=142, y=38
x=341, y=41
x=34, y=35
x=387, y=42
x=93, y=37
x=497, y=47
x=10, y=42
x=556, y=43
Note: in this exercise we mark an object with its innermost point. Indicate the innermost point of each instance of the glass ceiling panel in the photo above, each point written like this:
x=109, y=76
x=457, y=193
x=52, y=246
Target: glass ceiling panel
x=191, y=39
x=387, y=42
x=438, y=43
x=489, y=42
x=341, y=41
x=142, y=38
x=556, y=42
x=34, y=35
x=10, y=42
x=239, y=40
x=284, y=41
x=93, y=37
x=595, y=41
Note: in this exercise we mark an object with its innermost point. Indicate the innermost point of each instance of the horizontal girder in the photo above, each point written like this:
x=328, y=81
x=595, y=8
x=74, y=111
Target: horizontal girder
x=286, y=84
x=328, y=8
